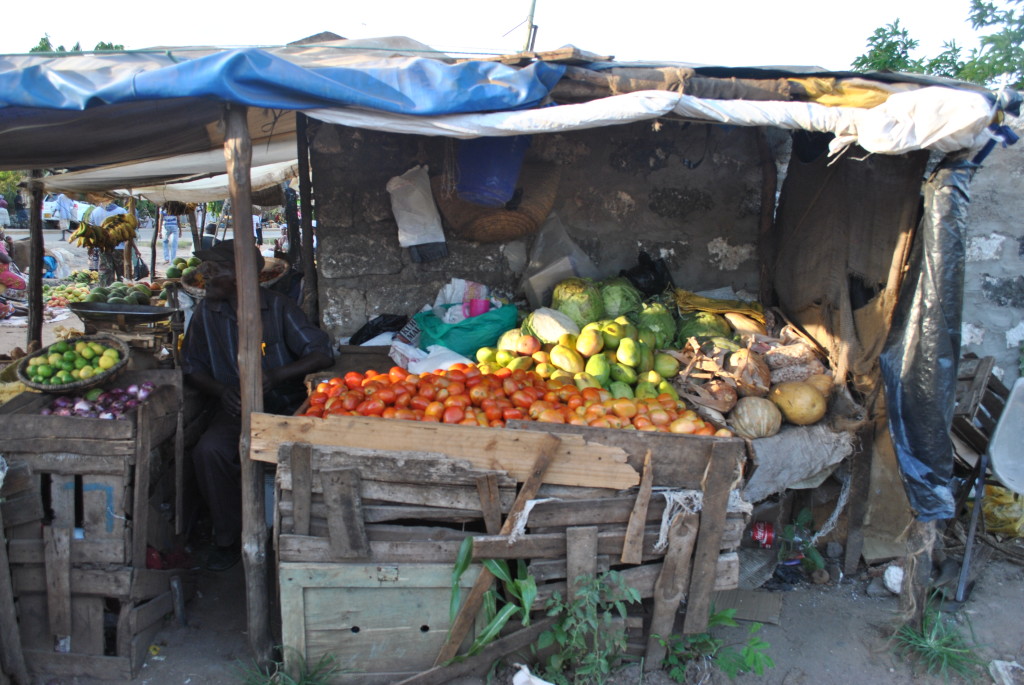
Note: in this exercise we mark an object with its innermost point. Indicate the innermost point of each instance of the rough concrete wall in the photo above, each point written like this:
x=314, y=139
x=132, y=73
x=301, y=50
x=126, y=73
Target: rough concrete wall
x=689, y=194
x=993, y=324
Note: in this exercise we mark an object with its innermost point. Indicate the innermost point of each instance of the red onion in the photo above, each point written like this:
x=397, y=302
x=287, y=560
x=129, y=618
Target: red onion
x=45, y=411
x=132, y=390
x=130, y=404
x=63, y=401
x=104, y=398
x=83, y=405
x=62, y=411
x=106, y=415
x=143, y=394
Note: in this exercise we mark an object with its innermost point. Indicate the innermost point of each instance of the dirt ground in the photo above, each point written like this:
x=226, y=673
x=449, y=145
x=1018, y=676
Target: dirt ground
x=834, y=633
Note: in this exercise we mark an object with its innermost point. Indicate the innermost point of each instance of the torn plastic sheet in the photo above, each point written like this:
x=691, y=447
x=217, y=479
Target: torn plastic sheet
x=921, y=355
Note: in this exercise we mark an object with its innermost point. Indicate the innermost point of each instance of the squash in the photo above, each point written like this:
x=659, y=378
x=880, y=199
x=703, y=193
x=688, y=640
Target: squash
x=755, y=417
x=799, y=402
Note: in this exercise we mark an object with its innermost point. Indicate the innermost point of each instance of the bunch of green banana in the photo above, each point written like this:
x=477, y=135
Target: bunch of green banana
x=113, y=231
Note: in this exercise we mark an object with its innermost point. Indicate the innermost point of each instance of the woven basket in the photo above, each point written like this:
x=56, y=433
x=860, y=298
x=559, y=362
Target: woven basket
x=105, y=377
x=469, y=221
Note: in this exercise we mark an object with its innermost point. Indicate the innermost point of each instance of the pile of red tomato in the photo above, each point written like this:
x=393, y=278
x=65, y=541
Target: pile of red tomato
x=464, y=395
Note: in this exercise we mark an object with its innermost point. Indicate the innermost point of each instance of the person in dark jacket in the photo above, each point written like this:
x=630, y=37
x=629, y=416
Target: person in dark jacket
x=292, y=347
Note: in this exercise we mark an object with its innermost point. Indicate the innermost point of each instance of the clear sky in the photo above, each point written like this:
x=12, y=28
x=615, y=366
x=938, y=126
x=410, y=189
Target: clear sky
x=821, y=33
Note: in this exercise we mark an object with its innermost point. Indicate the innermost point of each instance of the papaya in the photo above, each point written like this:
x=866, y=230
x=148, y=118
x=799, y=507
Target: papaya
x=567, y=359
x=612, y=333
x=541, y=357
x=645, y=390
x=622, y=373
x=524, y=363
x=646, y=335
x=486, y=355
x=559, y=373
x=504, y=357
x=600, y=368
x=585, y=380
x=619, y=389
x=651, y=376
x=628, y=352
x=666, y=365
x=589, y=342
x=567, y=340
x=544, y=369
x=646, y=357
x=666, y=387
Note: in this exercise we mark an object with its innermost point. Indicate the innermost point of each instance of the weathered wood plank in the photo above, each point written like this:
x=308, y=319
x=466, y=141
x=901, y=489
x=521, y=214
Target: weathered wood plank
x=10, y=638
x=490, y=502
x=580, y=556
x=379, y=513
x=578, y=461
x=110, y=668
x=552, y=545
x=58, y=583
x=52, y=458
x=23, y=507
x=18, y=479
x=344, y=514
x=82, y=552
x=632, y=546
x=721, y=476
x=122, y=583
x=302, y=549
x=670, y=587
x=679, y=460
x=301, y=486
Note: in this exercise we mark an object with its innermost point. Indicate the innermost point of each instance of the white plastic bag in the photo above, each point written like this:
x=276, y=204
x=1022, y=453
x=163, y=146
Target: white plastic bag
x=413, y=205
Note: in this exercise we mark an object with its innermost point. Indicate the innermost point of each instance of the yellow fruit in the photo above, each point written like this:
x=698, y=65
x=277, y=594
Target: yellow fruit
x=106, y=362
x=86, y=372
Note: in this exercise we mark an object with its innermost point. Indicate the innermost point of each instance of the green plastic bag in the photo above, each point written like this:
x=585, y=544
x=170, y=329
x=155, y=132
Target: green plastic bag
x=468, y=335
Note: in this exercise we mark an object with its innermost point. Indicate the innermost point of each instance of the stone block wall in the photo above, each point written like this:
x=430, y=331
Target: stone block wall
x=993, y=320
x=689, y=194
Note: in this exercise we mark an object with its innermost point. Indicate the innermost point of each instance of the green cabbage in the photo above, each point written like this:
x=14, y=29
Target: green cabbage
x=580, y=299
x=657, y=318
x=702, y=325
x=547, y=325
x=620, y=297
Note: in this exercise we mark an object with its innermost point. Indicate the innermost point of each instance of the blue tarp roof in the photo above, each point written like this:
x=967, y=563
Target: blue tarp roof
x=82, y=109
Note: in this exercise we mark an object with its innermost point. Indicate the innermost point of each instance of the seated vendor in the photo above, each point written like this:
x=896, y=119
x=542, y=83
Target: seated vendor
x=12, y=282
x=292, y=348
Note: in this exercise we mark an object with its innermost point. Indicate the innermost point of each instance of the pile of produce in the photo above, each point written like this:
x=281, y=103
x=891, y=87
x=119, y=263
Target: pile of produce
x=464, y=394
x=84, y=276
x=724, y=358
x=181, y=267
x=122, y=293
x=68, y=361
x=98, y=403
x=63, y=295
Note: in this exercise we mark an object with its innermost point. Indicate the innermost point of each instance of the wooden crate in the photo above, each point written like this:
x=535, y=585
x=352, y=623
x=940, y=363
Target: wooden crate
x=380, y=622
x=90, y=476
x=980, y=399
x=344, y=499
x=78, y=525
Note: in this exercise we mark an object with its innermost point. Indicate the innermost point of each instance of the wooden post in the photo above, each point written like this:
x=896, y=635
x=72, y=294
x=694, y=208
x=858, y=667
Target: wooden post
x=766, y=225
x=670, y=588
x=309, y=279
x=197, y=232
x=35, y=276
x=238, y=154
x=157, y=226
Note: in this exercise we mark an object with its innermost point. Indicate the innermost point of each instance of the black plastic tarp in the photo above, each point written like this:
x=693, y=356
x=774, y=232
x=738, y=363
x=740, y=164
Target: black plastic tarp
x=919, y=361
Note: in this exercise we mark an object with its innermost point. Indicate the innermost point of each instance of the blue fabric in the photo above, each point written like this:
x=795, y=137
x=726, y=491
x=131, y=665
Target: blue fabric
x=257, y=78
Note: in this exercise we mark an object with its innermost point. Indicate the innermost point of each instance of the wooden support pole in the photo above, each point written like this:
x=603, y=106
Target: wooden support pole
x=157, y=227
x=471, y=604
x=670, y=587
x=632, y=548
x=238, y=155
x=197, y=231
x=309, y=278
x=719, y=479
x=35, y=274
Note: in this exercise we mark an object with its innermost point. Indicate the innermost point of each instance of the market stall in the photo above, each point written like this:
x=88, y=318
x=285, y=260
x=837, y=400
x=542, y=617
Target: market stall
x=680, y=162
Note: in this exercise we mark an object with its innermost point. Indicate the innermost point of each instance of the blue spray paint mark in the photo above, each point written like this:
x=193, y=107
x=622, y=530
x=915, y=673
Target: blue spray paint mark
x=109, y=491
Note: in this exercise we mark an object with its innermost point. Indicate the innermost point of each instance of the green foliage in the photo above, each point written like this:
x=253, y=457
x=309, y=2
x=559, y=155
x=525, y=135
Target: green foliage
x=590, y=633
x=1000, y=54
x=45, y=45
x=795, y=543
x=732, y=660
x=520, y=592
x=320, y=673
x=889, y=49
x=939, y=647
x=9, y=185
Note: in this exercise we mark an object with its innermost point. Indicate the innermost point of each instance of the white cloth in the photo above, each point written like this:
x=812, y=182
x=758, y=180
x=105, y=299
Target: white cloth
x=5, y=217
